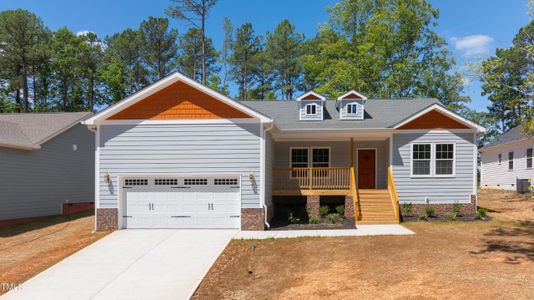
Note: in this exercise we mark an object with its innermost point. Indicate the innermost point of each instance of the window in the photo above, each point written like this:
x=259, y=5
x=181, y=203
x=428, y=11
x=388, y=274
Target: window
x=299, y=157
x=529, y=158
x=444, y=159
x=352, y=108
x=166, y=181
x=510, y=161
x=499, y=158
x=225, y=181
x=421, y=159
x=136, y=182
x=196, y=181
x=320, y=157
x=311, y=109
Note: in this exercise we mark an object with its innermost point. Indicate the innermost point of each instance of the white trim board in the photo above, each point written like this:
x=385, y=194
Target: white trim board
x=163, y=83
x=343, y=97
x=319, y=96
x=181, y=121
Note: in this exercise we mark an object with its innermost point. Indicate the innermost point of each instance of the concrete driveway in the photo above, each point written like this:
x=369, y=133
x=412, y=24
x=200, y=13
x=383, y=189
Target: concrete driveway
x=131, y=264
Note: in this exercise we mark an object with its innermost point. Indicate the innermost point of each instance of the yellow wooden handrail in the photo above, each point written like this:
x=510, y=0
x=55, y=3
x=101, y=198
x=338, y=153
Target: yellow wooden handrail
x=354, y=192
x=393, y=192
x=310, y=178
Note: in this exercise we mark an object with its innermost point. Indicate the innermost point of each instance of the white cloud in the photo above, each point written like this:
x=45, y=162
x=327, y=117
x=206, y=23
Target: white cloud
x=471, y=45
x=83, y=32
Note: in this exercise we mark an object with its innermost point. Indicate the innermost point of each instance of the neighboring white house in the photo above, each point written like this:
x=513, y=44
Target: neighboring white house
x=506, y=159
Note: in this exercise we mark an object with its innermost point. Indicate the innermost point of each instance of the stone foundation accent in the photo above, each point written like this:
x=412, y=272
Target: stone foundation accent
x=349, y=207
x=467, y=209
x=252, y=219
x=106, y=219
x=312, y=206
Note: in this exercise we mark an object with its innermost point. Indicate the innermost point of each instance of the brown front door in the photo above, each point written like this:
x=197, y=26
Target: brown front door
x=366, y=168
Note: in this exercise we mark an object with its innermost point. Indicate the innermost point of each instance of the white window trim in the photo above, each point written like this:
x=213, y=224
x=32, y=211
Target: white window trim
x=433, y=160
x=508, y=161
x=453, y=161
x=531, y=159
x=291, y=157
x=352, y=104
x=306, y=109
x=310, y=154
x=412, y=160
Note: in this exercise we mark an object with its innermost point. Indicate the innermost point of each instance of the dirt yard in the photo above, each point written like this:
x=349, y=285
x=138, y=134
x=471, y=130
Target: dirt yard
x=453, y=260
x=27, y=249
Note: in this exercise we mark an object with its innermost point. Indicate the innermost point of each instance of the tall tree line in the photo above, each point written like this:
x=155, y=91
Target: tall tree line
x=383, y=48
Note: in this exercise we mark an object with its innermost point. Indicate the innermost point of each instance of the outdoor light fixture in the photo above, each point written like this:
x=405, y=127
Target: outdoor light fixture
x=107, y=178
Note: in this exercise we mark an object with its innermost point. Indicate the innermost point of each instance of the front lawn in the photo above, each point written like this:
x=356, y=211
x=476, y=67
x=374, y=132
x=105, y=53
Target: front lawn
x=458, y=260
x=29, y=248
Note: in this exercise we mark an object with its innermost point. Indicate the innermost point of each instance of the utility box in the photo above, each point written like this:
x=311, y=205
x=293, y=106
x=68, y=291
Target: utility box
x=523, y=185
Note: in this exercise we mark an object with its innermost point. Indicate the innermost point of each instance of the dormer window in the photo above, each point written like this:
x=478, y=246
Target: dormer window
x=311, y=106
x=352, y=108
x=311, y=109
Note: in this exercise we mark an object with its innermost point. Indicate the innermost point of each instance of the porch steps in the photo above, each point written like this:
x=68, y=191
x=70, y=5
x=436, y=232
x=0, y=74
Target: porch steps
x=375, y=207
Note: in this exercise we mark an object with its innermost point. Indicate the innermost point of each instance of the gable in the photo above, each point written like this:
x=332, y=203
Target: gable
x=311, y=97
x=350, y=95
x=179, y=101
x=433, y=120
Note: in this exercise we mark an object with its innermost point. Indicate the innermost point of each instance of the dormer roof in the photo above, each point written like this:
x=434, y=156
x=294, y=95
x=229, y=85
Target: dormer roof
x=352, y=95
x=311, y=95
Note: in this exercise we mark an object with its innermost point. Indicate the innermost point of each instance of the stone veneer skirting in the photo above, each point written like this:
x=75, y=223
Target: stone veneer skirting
x=312, y=206
x=252, y=219
x=467, y=209
x=106, y=219
x=349, y=207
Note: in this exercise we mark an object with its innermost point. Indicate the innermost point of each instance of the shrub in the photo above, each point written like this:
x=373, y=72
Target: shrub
x=407, y=209
x=481, y=213
x=334, y=218
x=451, y=216
x=324, y=210
x=430, y=210
x=423, y=217
x=293, y=219
x=313, y=220
x=340, y=210
x=456, y=208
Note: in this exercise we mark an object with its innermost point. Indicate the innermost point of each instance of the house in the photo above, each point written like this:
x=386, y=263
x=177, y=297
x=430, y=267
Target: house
x=46, y=165
x=506, y=159
x=178, y=154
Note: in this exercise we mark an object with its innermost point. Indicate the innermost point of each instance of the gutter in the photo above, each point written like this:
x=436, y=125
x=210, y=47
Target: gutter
x=264, y=158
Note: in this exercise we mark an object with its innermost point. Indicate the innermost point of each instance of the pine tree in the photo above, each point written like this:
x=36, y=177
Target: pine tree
x=244, y=58
x=190, y=58
x=159, y=44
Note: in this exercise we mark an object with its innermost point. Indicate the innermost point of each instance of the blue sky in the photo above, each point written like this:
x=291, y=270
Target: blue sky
x=473, y=28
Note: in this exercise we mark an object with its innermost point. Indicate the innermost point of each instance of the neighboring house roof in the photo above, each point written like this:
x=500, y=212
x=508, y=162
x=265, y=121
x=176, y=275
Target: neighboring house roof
x=379, y=113
x=514, y=135
x=29, y=131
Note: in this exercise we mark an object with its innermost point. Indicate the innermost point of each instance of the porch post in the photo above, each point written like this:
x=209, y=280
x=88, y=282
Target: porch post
x=351, y=152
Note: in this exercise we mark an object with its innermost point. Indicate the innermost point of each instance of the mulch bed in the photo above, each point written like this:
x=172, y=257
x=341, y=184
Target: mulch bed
x=281, y=224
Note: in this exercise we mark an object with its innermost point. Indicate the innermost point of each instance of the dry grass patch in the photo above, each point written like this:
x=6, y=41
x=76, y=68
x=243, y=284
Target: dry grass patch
x=28, y=249
x=455, y=260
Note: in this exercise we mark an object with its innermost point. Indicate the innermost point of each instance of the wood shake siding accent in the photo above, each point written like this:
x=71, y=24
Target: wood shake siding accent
x=179, y=101
x=495, y=175
x=438, y=189
x=311, y=97
x=433, y=120
x=173, y=149
x=36, y=183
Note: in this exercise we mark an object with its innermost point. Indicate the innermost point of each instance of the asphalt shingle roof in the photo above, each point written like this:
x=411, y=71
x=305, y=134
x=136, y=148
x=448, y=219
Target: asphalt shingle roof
x=379, y=113
x=515, y=134
x=30, y=130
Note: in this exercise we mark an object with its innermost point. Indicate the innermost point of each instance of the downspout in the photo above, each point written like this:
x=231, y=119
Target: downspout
x=93, y=129
x=264, y=161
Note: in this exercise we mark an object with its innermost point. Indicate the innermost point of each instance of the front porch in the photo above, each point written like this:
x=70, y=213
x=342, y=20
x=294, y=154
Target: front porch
x=357, y=170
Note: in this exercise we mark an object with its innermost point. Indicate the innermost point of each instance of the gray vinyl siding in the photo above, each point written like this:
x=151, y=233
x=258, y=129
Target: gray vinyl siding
x=343, y=110
x=36, y=183
x=180, y=149
x=437, y=189
x=320, y=110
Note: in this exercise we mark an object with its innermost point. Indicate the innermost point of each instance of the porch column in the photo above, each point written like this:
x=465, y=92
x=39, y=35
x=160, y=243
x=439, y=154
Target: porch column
x=349, y=207
x=312, y=206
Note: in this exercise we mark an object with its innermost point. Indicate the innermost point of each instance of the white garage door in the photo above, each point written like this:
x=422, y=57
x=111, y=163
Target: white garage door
x=185, y=202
